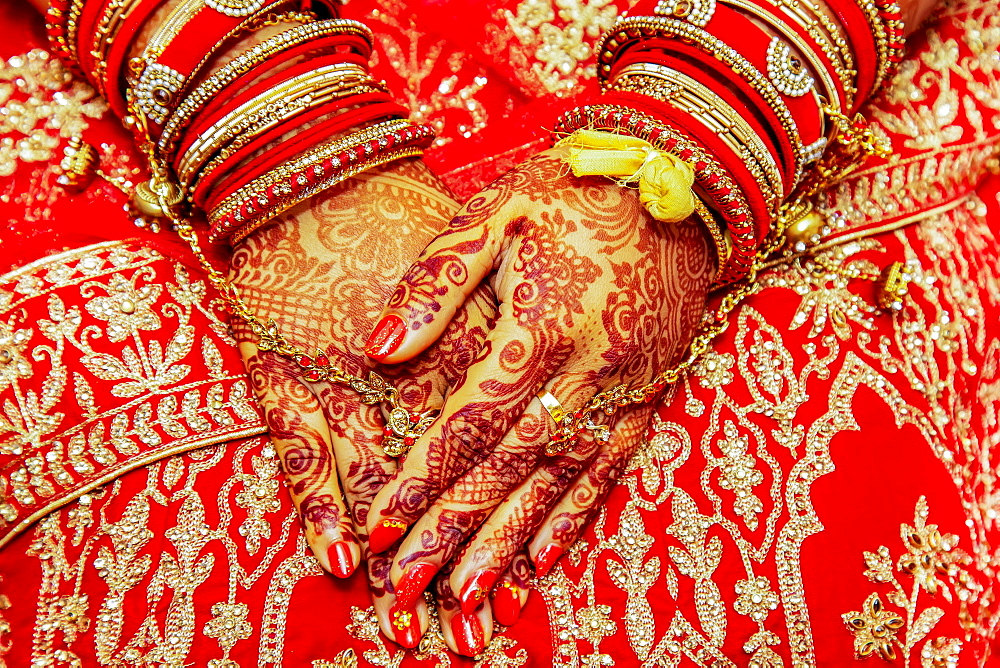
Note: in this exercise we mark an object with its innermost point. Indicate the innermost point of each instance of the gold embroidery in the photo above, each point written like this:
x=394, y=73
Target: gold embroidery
x=415, y=61
x=935, y=565
x=228, y=624
x=874, y=629
x=135, y=336
x=40, y=101
x=561, y=56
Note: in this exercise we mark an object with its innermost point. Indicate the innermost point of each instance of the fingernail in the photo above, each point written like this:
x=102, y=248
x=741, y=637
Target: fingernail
x=415, y=579
x=386, y=338
x=385, y=534
x=507, y=603
x=476, y=589
x=405, y=625
x=341, y=559
x=546, y=558
x=468, y=634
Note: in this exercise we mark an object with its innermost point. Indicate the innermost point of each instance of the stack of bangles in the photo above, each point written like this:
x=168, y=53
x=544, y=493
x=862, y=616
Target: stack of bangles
x=242, y=134
x=749, y=93
x=278, y=123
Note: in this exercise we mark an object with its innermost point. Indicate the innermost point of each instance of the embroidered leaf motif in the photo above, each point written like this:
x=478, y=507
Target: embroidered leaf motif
x=105, y=366
x=213, y=358
x=711, y=611
x=927, y=620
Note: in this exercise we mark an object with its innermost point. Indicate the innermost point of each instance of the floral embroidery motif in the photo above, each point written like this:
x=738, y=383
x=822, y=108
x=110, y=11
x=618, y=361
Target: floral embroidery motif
x=935, y=564
x=115, y=347
x=563, y=54
x=874, y=629
x=41, y=103
x=228, y=624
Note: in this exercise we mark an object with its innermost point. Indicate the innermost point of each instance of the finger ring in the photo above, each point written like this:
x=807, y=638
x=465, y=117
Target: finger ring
x=568, y=424
x=552, y=405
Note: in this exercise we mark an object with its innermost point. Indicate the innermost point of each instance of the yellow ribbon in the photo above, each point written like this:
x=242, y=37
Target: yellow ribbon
x=664, y=180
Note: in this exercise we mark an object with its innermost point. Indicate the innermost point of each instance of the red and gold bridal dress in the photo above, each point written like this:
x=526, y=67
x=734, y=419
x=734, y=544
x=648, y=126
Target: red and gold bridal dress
x=824, y=482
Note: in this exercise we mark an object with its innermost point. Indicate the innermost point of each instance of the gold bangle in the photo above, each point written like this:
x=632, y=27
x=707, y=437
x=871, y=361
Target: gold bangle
x=239, y=66
x=72, y=19
x=116, y=13
x=696, y=99
x=285, y=101
x=723, y=247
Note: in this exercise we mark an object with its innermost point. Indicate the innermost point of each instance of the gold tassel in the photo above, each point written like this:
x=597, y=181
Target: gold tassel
x=664, y=180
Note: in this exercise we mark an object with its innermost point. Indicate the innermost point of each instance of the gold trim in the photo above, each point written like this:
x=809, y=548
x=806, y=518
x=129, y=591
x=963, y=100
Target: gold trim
x=130, y=465
x=867, y=232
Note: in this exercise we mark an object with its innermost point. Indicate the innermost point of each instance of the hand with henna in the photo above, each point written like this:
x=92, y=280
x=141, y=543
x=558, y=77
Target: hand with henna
x=322, y=271
x=593, y=293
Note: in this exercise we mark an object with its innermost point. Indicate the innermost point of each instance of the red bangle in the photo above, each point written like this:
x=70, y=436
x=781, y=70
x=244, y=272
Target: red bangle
x=279, y=105
x=310, y=174
x=376, y=106
x=752, y=108
x=712, y=177
x=244, y=70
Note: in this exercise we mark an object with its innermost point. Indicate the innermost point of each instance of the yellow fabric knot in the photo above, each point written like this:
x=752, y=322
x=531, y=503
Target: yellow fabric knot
x=664, y=180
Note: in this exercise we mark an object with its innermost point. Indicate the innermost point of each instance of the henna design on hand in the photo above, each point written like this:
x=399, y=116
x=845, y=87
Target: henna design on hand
x=594, y=293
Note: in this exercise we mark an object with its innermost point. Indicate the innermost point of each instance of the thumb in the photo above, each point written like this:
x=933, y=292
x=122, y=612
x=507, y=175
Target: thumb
x=431, y=292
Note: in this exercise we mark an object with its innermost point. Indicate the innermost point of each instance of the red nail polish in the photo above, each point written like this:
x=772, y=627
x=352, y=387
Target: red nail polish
x=475, y=590
x=341, y=559
x=415, y=579
x=468, y=634
x=507, y=603
x=386, y=338
x=546, y=558
x=385, y=534
x=405, y=625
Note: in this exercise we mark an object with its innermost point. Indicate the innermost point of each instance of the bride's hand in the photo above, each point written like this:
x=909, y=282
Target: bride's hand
x=322, y=272
x=593, y=292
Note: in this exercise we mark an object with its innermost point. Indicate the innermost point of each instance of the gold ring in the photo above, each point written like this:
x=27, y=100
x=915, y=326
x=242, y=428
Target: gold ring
x=552, y=405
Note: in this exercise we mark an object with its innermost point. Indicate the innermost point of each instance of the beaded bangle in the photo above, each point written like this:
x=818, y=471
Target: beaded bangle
x=313, y=172
x=221, y=178
x=112, y=52
x=209, y=195
x=717, y=78
x=62, y=19
x=710, y=176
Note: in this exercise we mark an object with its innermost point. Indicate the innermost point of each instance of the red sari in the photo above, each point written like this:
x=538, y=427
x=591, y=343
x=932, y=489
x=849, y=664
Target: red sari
x=824, y=482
